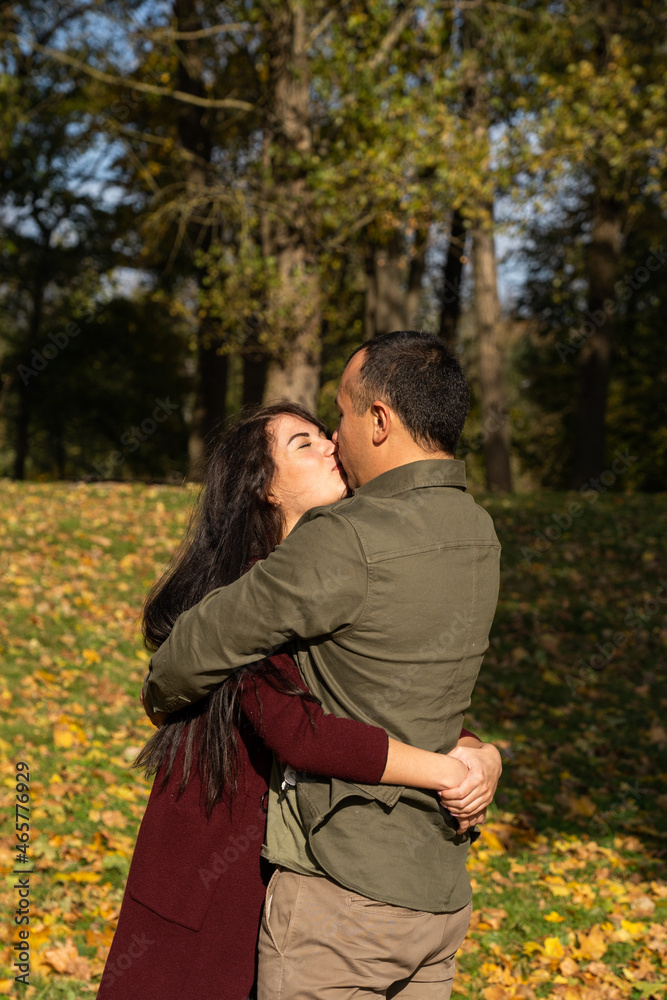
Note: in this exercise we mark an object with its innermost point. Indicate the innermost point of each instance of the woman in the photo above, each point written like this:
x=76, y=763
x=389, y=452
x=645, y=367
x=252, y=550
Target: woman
x=190, y=915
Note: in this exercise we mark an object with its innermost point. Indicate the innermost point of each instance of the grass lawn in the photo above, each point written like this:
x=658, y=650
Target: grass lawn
x=570, y=872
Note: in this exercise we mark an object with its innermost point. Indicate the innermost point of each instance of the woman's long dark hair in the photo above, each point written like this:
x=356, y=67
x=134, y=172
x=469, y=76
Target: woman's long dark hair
x=233, y=524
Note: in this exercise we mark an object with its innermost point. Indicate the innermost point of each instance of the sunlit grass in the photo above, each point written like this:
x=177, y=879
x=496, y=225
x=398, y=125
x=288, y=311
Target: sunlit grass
x=572, y=688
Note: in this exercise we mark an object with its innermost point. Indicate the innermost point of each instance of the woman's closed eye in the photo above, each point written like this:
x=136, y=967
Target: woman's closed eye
x=306, y=445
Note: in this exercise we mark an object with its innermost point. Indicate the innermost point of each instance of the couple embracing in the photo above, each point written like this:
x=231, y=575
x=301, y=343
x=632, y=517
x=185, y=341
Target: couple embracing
x=317, y=640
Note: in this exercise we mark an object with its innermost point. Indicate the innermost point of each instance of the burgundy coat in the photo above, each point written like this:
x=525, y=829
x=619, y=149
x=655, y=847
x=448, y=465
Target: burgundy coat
x=190, y=915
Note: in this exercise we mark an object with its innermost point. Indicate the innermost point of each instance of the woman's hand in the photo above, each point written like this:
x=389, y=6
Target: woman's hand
x=469, y=801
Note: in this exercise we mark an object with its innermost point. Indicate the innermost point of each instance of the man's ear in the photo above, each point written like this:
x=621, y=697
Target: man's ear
x=381, y=414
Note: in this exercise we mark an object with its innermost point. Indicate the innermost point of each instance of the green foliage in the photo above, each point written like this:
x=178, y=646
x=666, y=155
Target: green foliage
x=92, y=406
x=547, y=357
x=414, y=111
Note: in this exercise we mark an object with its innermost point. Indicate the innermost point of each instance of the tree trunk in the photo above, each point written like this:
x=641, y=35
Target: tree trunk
x=254, y=378
x=371, y=294
x=22, y=430
x=294, y=307
x=413, y=295
x=386, y=297
x=390, y=277
x=23, y=419
x=495, y=429
x=451, y=280
x=602, y=266
x=603, y=257
x=208, y=415
x=194, y=134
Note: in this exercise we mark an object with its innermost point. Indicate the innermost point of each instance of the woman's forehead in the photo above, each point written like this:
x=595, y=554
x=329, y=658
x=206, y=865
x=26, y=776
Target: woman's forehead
x=286, y=424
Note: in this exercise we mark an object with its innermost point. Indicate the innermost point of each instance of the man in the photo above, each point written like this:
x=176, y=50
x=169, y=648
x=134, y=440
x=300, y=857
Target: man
x=388, y=597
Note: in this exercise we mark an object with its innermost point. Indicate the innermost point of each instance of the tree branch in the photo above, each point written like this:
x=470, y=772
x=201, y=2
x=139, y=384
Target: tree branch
x=322, y=26
x=390, y=39
x=129, y=84
x=188, y=36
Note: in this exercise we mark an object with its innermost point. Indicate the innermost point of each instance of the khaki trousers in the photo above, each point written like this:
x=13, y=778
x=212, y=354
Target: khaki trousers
x=319, y=941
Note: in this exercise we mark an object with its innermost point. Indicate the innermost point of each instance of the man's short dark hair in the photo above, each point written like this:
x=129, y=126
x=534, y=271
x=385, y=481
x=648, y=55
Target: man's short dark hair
x=419, y=377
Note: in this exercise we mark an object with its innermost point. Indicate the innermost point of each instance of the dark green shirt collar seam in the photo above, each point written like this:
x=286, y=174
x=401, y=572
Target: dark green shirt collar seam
x=416, y=475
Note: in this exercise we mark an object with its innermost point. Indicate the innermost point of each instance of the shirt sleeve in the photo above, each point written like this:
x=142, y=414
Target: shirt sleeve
x=302, y=735
x=314, y=584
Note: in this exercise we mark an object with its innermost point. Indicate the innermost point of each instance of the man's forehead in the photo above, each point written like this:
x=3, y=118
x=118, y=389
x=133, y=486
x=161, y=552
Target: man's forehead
x=350, y=372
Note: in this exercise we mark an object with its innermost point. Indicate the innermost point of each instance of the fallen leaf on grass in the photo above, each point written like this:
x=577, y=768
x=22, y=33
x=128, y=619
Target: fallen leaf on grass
x=78, y=877
x=492, y=841
x=66, y=960
x=643, y=906
x=113, y=817
x=491, y=918
x=592, y=945
x=553, y=948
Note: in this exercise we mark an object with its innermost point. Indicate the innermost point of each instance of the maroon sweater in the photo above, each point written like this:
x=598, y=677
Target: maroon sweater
x=190, y=915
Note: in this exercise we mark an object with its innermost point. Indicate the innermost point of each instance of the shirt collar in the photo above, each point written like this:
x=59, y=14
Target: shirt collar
x=416, y=475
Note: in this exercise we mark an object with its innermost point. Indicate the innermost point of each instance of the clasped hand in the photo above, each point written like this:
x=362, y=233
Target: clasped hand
x=469, y=801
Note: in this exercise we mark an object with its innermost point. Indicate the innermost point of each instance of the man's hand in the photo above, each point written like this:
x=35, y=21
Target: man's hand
x=157, y=718
x=469, y=801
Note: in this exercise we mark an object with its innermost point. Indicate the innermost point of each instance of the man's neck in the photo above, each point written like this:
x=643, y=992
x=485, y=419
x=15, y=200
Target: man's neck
x=406, y=457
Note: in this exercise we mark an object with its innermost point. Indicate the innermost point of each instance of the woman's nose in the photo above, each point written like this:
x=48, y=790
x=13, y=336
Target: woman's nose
x=329, y=447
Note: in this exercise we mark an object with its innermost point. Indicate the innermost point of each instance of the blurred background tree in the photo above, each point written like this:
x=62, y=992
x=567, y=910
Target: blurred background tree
x=212, y=204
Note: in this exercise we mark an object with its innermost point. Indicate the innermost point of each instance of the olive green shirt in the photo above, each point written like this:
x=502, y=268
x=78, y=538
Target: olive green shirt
x=387, y=597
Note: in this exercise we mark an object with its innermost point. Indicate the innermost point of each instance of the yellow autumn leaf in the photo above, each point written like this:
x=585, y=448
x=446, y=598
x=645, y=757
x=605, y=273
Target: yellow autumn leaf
x=592, y=946
x=497, y=992
x=553, y=948
x=65, y=725
x=91, y=656
x=79, y=877
x=122, y=792
x=554, y=918
x=108, y=910
x=583, y=806
x=63, y=736
x=492, y=841
x=634, y=928
x=571, y=993
x=530, y=947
